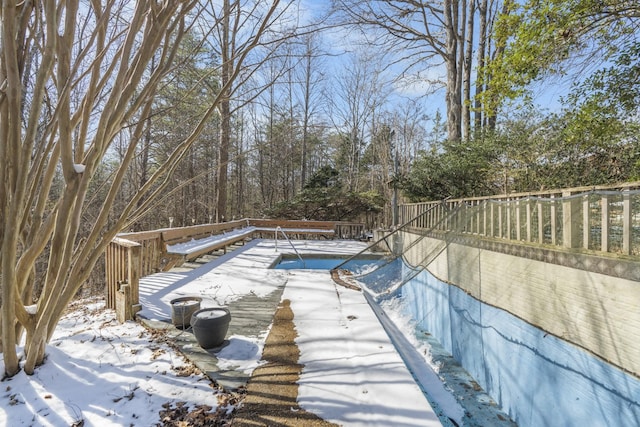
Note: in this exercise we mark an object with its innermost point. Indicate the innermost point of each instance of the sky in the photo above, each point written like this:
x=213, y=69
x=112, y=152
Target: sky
x=108, y=374
x=342, y=42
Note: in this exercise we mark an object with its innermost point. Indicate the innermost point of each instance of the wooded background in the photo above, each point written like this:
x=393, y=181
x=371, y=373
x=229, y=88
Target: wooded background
x=333, y=116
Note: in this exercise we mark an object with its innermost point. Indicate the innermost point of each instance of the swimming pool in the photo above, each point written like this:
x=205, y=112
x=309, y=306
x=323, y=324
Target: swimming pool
x=316, y=262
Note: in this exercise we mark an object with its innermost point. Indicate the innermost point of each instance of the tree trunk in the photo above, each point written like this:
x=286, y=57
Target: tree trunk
x=225, y=118
x=240, y=178
x=453, y=95
x=498, y=52
x=306, y=113
x=482, y=47
x=468, y=60
x=11, y=366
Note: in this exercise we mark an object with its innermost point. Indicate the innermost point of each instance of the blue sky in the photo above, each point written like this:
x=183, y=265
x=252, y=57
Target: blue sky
x=547, y=94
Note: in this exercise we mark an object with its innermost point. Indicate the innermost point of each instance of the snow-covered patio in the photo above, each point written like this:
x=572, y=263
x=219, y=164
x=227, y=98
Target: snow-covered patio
x=352, y=373
x=101, y=373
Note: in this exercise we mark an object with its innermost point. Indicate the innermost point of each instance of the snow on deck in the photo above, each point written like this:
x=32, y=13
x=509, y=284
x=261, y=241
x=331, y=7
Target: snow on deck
x=353, y=375
x=196, y=245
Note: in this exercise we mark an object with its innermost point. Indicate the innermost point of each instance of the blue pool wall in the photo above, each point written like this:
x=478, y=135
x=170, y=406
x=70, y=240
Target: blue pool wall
x=538, y=379
x=382, y=279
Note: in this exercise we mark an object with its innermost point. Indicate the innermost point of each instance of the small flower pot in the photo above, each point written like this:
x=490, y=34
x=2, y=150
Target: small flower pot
x=182, y=309
x=210, y=326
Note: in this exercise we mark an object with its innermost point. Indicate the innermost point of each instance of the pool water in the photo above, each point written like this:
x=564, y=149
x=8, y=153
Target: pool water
x=325, y=263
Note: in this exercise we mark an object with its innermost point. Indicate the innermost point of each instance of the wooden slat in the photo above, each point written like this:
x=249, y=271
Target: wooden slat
x=604, y=223
x=626, y=223
x=133, y=272
x=140, y=236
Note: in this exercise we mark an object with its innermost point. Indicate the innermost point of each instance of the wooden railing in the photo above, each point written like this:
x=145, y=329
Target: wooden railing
x=600, y=219
x=172, y=236
x=134, y=255
x=122, y=267
x=349, y=230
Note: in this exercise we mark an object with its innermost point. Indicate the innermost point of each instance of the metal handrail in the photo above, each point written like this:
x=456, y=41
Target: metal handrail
x=278, y=228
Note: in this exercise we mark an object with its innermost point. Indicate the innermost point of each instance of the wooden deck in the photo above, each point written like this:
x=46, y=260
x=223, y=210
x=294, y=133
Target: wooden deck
x=133, y=255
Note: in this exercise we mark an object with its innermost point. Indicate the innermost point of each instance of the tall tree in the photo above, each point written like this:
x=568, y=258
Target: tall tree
x=359, y=95
x=427, y=34
x=226, y=51
x=89, y=82
x=482, y=48
x=184, y=95
x=311, y=78
x=239, y=20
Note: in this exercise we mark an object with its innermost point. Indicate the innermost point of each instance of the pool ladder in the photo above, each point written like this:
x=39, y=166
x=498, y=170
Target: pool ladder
x=278, y=228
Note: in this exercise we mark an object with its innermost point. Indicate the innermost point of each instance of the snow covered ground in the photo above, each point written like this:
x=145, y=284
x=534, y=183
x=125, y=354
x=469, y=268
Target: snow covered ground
x=104, y=373
x=101, y=373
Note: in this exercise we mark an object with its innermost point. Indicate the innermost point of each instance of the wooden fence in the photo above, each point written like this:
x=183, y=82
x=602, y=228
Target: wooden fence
x=122, y=267
x=601, y=219
x=133, y=255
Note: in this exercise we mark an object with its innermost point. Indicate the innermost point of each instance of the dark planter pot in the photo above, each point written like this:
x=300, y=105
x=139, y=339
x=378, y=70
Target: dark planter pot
x=182, y=309
x=210, y=326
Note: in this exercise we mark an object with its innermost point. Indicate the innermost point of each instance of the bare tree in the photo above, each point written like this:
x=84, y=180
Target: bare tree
x=63, y=107
x=311, y=77
x=482, y=49
x=425, y=35
x=226, y=48
x=239, y=20
x=359, y=93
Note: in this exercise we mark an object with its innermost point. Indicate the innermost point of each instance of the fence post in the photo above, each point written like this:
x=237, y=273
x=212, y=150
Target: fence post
x=552, y=209
x=122, y=265
x=500, y=232
x=604, y=223
x=540, y=207
x=570, y=217
x=529, y=219
x=626, y=222
x=586, y=222
x=123, y=303
x=508, y=219
x=133, y=273
x=484, y=218
x=518, y=221
x=492, y=226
